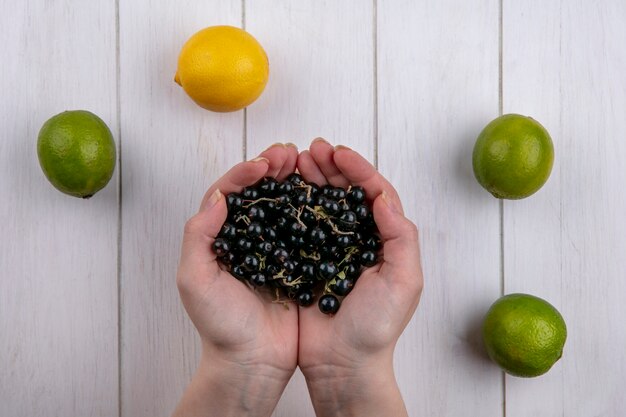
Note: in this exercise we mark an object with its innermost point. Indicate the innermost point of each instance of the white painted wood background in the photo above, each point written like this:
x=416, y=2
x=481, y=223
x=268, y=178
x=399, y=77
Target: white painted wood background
x=90, y=320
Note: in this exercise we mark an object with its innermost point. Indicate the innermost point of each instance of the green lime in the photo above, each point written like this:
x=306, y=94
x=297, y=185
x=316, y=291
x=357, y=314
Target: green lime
x=76, y=152
x=513, y=156
x=524, y=334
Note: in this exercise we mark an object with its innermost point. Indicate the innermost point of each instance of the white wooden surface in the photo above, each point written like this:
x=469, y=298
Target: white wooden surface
x=58, y=255
x=90, y=321
x=567, y=67
x=436, y=88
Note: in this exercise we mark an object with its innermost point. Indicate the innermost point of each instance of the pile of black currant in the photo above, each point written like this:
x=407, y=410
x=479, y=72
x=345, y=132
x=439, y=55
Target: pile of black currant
x=299, y=239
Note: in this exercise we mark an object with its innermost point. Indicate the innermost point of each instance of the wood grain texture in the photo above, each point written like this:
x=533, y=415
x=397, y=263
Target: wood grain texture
x=433, y=67
x=58, y=254
x=321, y=74
x=565, y=67
x=172, y=150
x=321, y=84
x=437, y=87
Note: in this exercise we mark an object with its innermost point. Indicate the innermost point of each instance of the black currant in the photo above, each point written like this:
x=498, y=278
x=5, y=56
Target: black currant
x=329, y=251
x=258, y=279
x=368, y=258
x=314, y=189
x=282, y=223
x=289, y=266
x=347, y=220
x=343, y=241
x=352, y=270
x=270, y=207
x=296, y=228
x=244, y=244
x=229, y=259
x=238, y=271
x=251, y=262
x=295, y=179
x=328, y=304
x=342, y=287
x=250, y=193
x=256, y=213
x=338, y=193
x=308, y=270
x=254, y=230
x=296, y=231
x=285, y=188
x=297, y=241
x=317, y=235
x=221, y=246
x=270, y=233
x=234, y=201
x=264, y=247
x=362, y=212
x=301, y=199
x=327, y=270
x=372, y=243
x=272, y=270
x=293, y=290
x=268, y=186
x=280, y=255
x=283, y=199
x=304, y=298
x=229, y=231
x=307, y=217
x=356, y=195
x=331, y=207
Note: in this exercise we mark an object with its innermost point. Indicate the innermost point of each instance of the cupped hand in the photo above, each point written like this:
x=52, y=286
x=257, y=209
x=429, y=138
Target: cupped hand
x=240, y=328
x=357, y=343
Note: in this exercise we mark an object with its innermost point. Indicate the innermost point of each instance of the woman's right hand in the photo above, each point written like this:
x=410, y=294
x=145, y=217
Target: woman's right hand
x=347, y=359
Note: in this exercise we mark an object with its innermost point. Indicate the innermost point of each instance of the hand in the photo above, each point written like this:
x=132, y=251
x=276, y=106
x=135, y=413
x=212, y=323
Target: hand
x=249, y=344
x=347, y=359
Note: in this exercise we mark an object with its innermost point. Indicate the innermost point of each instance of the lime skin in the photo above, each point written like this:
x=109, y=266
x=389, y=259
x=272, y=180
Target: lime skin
x=524, y=334
x=76, y=152
x=513, y=157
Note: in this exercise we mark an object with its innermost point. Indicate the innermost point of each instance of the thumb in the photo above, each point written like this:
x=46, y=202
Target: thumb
x=401, y=254
x=197, y=257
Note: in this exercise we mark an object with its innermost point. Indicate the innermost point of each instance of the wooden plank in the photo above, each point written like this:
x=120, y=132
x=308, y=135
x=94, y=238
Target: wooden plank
x=565, y=66
x=321, y=84
x=172, y=150
x=437, y=88
x=58, y=254
x=321, y=74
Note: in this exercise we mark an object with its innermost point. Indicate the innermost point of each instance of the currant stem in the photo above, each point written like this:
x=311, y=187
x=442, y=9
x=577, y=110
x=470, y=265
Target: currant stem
x=258, y=200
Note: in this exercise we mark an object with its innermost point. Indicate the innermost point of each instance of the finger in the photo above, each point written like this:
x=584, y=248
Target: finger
x=322, y=153
x=239, y=176
x=359, y=171
x=309, y=169
x=277, y=155
x=197, y=259
x=289, y=167
x=401, y=256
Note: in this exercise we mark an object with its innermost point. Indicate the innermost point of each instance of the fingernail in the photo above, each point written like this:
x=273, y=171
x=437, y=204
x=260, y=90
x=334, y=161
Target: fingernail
x=215, y=197
x=259, y=159
x=390, y=203
x=282, y=145
x=340, y=147
x=320, y=140
x=291, y=145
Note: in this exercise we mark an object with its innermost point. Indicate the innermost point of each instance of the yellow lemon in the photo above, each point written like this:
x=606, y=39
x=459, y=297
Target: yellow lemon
x=222, y=68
